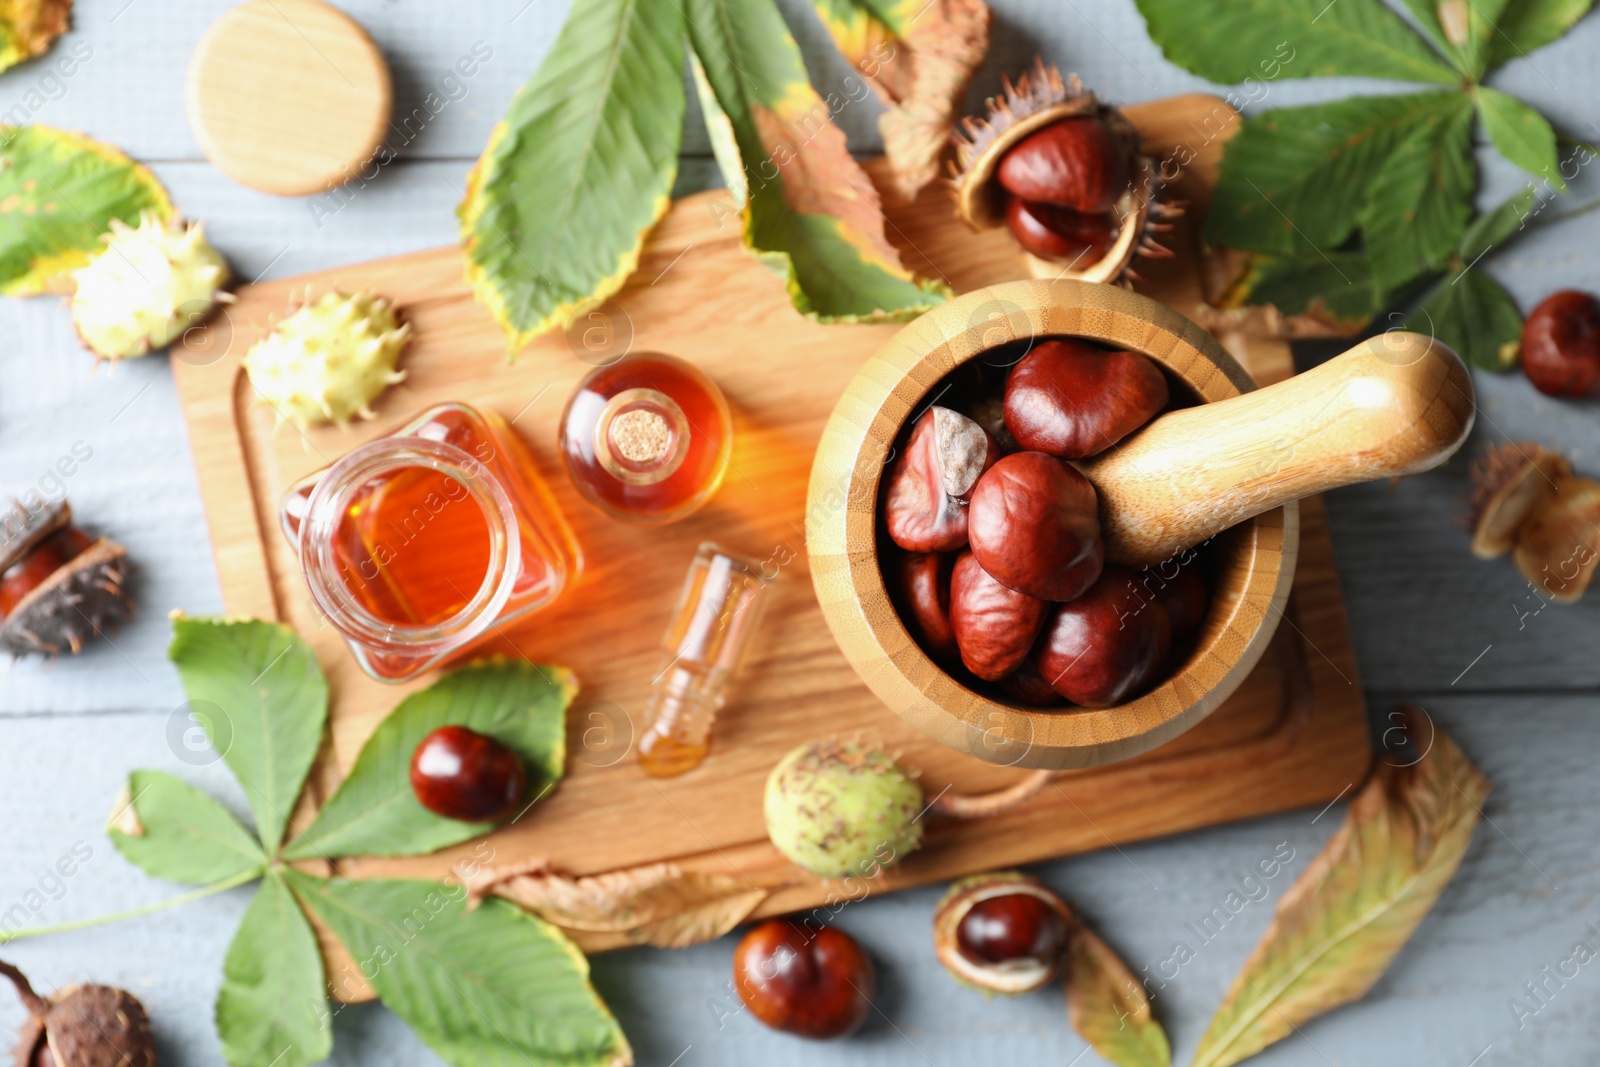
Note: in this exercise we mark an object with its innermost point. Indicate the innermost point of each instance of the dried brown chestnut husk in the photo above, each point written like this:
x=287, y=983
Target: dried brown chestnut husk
x=82, y=1026
x=1034, y=525
x=58, y=586
x=925, y=506
x=995, y=626
x=1073, y=399
x=1003, y=932
x=1105, y=647
x=1561, y=344
x=922, y=581
x=815, y=983
x=1509, y=484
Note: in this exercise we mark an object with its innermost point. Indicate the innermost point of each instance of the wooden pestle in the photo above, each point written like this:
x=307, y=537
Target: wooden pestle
x=1395, y=404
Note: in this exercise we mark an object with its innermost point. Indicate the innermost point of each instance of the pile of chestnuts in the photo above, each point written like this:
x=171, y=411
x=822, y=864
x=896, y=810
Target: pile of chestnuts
x=993, y=552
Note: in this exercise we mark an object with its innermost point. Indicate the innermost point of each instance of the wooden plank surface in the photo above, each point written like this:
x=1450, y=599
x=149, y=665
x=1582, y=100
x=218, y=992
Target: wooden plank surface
x=1293, y=734
x=1421, y=609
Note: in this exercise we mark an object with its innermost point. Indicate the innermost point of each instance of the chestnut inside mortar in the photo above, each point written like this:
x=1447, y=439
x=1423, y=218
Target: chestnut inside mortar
x=1167, y=604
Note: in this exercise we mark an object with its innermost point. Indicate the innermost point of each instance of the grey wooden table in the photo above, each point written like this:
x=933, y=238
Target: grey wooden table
x=1431, y=624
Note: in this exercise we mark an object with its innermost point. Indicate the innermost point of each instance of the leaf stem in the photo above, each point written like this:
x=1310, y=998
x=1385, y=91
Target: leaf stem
x=160, y=905
x=1582, y=209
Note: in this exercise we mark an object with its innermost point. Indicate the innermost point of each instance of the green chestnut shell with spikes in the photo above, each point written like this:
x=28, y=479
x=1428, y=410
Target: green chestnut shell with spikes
x=329, y=360
x=150, y=283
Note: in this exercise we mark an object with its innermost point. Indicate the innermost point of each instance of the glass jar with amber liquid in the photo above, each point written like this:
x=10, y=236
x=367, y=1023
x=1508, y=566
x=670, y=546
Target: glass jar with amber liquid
x=417, y=546
x=647, y=438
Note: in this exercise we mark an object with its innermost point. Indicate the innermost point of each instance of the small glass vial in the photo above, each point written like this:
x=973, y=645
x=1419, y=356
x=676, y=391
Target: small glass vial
x=647, y=438
x=723, y=599
x=416, y=545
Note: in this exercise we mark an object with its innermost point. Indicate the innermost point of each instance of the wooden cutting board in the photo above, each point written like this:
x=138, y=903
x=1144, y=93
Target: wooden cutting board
x=1294, y=734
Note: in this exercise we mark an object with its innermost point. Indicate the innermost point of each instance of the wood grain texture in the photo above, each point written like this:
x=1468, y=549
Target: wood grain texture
x=1294, y=733
x=1393, y=405
x=288, y=96
x=1256, y=560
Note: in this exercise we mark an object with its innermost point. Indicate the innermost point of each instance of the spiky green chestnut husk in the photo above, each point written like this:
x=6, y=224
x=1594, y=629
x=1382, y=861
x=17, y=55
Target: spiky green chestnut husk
x=839, y=809
x=329, y=360
x=148, y=285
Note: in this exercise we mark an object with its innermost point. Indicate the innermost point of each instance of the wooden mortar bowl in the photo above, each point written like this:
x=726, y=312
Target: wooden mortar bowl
x=1394, y=405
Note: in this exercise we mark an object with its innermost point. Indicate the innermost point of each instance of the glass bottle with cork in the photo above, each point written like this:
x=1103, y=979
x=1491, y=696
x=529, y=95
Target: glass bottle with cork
x=723, y=599
x=647, y=438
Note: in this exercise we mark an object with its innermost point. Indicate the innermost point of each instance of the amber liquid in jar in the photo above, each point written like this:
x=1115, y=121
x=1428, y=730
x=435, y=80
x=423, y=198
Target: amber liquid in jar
x=420, y=544
x=647, y=438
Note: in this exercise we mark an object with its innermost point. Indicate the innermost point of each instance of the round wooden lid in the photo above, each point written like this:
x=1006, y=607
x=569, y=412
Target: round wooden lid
x=288, y=96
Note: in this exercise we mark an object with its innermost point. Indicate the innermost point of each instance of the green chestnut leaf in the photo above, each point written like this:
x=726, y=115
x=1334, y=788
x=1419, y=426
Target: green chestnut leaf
x=1474, y=315
x=180, y=834
x=579, y=170
x=807, y=209
x=272, y=1008
x=487, y=987
x=1227, y=41
x=59, y=192
x=1520, y=133
x=1527, y=25
x=374, y=812
x=258, y=690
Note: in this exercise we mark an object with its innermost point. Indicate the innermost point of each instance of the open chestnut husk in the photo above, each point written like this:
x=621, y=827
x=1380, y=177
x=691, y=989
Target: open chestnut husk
x=994, y=625
x=1072, y=399
x=1003, y=932
x=59, y=586
x=1034, y=525
x=81, y=1026
x=1104, y=647
x=1065, y=174
x=925, y=506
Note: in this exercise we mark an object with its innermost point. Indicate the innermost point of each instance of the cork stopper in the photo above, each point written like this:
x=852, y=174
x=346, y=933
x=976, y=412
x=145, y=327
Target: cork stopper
x=641, y=436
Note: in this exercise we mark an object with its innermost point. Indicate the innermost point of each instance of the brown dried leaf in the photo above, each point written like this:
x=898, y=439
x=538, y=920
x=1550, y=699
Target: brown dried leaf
x=659, y=904
x=28, y=27
x=1342, y=923
x=919, y=57
x=1109, y=1008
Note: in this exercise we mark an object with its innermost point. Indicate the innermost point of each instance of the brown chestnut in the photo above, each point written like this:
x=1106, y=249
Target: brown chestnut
x=923, y=581
x=925, y=505
x=1034, y=524
x=1071, y=399
x=815, y=983
x=461, y=774
x=1061, y=234
x=1012, y=927
x=1183, y=594
x=994, y=626
x=1104, y=647
x=1027, y=686
x=1076, y=163
x=1561, y=344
